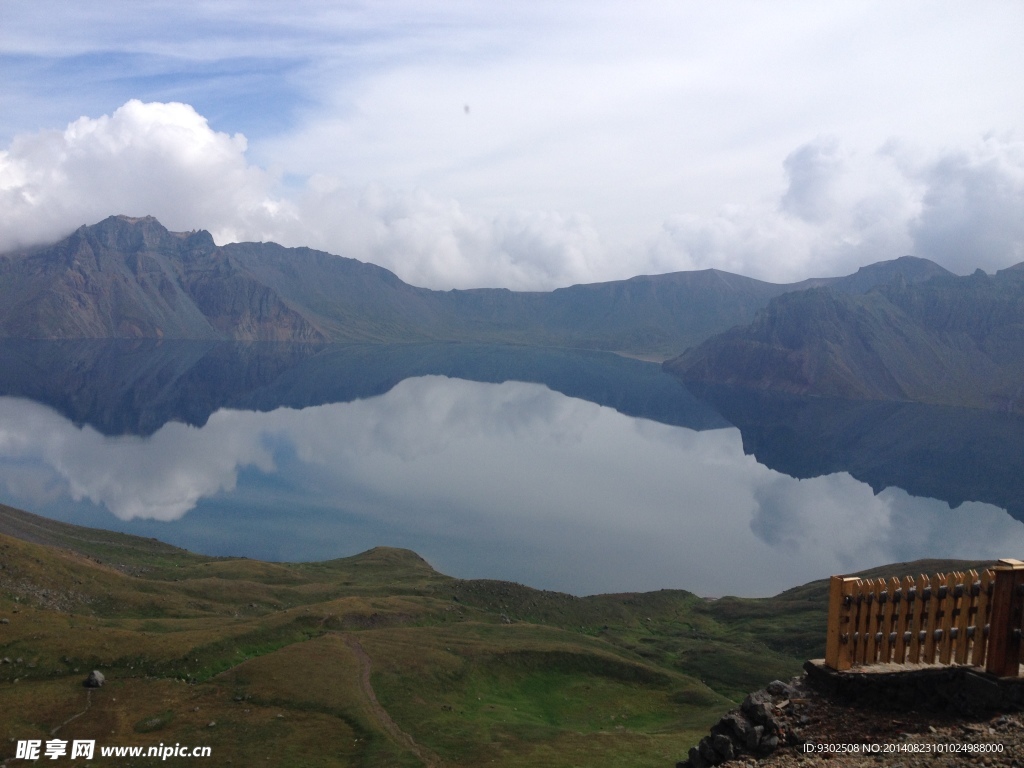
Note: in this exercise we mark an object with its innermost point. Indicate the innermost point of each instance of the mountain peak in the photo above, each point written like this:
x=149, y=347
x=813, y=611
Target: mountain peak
x=909, y=269
x=134, y=219
x=131, y=234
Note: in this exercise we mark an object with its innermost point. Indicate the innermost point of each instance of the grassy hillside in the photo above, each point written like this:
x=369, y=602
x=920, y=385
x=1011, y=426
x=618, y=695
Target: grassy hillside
x=370, y=660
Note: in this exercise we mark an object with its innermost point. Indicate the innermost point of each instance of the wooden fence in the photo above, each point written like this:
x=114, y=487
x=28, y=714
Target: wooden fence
x=949, y=618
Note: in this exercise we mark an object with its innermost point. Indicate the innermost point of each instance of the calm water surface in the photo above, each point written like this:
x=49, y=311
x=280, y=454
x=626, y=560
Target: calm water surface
x=509, y=480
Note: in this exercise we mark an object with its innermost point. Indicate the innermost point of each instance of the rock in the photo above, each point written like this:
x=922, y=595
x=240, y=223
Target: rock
x=754, y=737
x=737, y=725
x=707, y=751
x=5, y=621
x=211, y=724
x=780, y=689
x=758, y=707
x=723, y=746
x=95, y=679
x=768, y=745
x=696, y=759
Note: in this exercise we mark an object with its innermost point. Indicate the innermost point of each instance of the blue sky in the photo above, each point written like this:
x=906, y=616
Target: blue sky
x=529, y=145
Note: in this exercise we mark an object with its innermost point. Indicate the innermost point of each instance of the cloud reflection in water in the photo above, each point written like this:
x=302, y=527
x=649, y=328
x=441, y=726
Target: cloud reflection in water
x=508, y=481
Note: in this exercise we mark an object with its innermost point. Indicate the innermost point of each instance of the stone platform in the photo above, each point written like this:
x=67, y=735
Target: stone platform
x=934, y=687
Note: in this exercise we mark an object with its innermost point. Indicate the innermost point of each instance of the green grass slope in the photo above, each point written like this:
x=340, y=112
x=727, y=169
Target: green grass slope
x=370, y=660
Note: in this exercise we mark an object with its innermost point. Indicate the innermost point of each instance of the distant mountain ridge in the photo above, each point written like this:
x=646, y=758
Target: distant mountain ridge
x=132, y=278
x=948, y=340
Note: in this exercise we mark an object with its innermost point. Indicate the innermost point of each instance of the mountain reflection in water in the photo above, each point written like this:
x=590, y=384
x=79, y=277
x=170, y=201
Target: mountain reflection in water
x=583, y=472
x=952, y=454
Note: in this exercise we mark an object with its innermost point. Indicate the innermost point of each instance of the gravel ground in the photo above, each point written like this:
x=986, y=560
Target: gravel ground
x=816, y=731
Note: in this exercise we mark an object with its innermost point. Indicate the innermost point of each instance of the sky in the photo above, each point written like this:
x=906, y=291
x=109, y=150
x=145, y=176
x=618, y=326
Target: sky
x=527, y=145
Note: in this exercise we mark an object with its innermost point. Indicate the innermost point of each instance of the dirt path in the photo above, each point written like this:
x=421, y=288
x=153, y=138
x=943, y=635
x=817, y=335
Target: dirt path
x=53, y=731
x=429, y=758
x=88, y=703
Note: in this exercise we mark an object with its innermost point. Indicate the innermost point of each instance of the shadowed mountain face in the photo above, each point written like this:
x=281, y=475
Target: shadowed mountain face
x=952, y=454
x=132, y=278
x=948, y=340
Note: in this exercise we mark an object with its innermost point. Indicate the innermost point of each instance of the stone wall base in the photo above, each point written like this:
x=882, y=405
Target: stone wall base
x=961, y=689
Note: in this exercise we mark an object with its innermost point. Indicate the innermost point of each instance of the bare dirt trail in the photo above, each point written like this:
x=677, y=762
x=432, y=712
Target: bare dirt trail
x=53, y=731
x=428, y=757
x=88, y=703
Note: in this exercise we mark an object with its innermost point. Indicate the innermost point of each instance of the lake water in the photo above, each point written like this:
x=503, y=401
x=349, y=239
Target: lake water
x=580, y=472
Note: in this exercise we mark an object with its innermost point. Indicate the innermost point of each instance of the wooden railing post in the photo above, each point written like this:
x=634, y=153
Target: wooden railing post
x=841, y=611
x=982, y=617
x=1004, y=640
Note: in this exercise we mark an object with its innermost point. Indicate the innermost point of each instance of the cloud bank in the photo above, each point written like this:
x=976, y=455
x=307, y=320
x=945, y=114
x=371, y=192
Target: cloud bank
x=838, y=208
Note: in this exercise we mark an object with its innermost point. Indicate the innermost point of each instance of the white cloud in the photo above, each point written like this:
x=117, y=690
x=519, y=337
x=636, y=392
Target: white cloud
x=972, y=212
x=164, y=160
x=812, y=170
x=436, y=243
x=838, y=209
x=156, y=159
x=843, y=209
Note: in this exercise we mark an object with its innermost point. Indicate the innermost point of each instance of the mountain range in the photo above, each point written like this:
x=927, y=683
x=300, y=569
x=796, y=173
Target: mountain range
x=902, y=330
x=132, y=278
x=947, y=340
